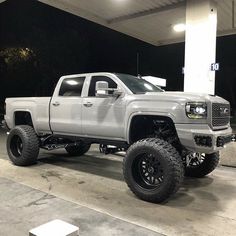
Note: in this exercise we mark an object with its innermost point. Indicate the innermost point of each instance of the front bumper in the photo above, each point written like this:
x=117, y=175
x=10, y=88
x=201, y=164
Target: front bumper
x=201, y=138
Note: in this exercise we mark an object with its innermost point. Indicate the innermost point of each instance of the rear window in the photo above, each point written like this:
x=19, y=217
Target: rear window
x=72, y=87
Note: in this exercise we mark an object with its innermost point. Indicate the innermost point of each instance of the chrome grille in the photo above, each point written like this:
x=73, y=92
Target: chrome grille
x=220, y=114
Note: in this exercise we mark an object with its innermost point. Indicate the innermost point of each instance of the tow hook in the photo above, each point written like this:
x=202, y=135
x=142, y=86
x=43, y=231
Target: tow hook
x=3, y=125
x=233, y=139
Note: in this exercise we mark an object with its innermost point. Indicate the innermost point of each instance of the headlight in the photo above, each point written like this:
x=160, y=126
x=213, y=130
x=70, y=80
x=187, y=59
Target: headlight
x=196, y=110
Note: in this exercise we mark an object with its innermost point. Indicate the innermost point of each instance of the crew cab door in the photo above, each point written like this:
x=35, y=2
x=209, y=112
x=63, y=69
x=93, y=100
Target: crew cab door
x=66, y=107
x=103, y=117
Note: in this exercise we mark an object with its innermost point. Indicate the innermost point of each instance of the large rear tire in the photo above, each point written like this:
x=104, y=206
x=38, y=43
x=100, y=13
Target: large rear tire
x=200, y=165
x=153, y=170
x=78, y=149
x=23, y=146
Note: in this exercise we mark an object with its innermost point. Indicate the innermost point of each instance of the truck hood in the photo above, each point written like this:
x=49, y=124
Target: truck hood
x=185, y=97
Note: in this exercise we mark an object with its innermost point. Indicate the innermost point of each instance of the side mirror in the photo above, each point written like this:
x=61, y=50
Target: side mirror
x=102, y=90
x=117, y=92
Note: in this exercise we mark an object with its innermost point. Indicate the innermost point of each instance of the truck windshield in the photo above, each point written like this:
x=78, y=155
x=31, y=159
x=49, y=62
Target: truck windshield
x=138, y=85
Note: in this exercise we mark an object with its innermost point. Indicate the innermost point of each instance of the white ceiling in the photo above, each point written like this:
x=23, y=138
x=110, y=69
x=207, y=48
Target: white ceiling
x=148, y=20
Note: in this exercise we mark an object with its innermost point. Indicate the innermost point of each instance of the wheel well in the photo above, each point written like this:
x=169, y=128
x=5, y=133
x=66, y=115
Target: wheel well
x=23, y=118
x=144, y=126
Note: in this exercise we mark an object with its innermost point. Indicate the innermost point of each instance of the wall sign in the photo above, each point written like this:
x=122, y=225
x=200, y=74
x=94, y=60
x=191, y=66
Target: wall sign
x=215, y=66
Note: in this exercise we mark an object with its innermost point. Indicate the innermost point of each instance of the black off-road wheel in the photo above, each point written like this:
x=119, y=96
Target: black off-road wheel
x=23, y=146
x=153, y=170
x=199, y=164
x=78, y=149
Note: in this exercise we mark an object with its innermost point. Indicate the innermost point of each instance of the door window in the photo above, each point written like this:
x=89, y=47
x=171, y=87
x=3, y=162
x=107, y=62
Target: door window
x=95, y=79
x=72, y=87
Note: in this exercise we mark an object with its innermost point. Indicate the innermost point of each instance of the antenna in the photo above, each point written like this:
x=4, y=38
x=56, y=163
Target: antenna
x=137, y=64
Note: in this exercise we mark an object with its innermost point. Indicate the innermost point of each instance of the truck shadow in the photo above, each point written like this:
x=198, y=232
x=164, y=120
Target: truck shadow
x=91, y=163
x=110, y=166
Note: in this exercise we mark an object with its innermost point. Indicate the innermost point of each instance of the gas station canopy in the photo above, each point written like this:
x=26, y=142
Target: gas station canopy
x=161, y=22
x=151, y=20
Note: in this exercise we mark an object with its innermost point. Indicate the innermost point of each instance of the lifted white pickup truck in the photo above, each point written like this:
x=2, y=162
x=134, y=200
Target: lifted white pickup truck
x=165, y=134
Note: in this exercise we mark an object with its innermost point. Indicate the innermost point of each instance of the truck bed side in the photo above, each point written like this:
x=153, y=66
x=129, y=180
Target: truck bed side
x=37, y=107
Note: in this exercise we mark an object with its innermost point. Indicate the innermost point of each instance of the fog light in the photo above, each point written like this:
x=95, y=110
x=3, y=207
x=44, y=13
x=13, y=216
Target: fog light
x=203, y=141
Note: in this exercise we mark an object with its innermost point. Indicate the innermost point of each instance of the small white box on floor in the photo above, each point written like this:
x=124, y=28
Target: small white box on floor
x=55, y=228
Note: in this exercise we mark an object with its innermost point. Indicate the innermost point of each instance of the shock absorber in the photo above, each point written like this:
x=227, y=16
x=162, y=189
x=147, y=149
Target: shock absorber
x=109, y=149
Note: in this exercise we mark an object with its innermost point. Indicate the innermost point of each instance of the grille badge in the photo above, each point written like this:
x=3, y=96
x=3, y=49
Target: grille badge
x=224, y=111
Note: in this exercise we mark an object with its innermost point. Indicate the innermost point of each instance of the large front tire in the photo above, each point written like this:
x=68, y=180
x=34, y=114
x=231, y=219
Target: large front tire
x=153, y=170
x=200, y=165
x=23, y=146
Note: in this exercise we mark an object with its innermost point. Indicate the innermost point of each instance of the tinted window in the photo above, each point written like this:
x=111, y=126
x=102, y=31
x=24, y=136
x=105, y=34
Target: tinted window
x=138, y=85
x=95, y=79
x=72, y=87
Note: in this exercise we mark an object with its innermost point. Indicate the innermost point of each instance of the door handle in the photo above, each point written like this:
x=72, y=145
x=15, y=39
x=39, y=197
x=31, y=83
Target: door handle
x=88, y=104
x=56, y=104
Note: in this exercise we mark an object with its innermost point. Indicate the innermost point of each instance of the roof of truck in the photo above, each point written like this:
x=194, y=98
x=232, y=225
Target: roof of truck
x=89, y=74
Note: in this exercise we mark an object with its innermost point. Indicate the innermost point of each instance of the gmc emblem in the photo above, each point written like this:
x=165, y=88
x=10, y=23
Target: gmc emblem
x=224, y=111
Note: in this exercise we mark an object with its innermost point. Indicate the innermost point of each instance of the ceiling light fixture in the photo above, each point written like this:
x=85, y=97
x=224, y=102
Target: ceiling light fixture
x=72, y=82
x=179, y=27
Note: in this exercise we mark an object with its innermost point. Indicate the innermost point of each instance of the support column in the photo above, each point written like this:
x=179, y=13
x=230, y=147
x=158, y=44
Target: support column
x=200, y=46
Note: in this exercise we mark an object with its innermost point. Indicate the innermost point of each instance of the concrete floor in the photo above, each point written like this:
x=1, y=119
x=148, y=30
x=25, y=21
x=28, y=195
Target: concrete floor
x=22, y=208
x=228, y=155
x=89, y=191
